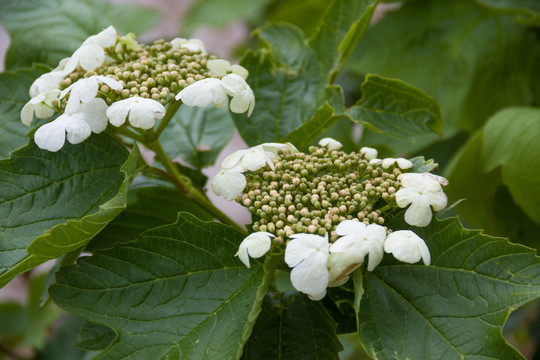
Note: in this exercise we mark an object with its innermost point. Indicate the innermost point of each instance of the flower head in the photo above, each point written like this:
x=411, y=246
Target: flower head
x=307, y=255
x=39, y=105
x=242, y=96
x=222, y=67
x=229, y=183
x=422, y=192
x=86, y=89
x=89, y=117
x=91, y=54
x=330, y=143
x=255, y=245
x=408, y=247
x=142, y=113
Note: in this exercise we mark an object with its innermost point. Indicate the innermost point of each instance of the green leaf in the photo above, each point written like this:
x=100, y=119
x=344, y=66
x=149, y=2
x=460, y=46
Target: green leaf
x=197, y=135
x=219, y=13
x=60, y=343
x=176, y=291
x=393, y=107
x=511, y=141
x=53, y=203
x=456, y=307
x=458, y=52
x=48, y=31
x=293, y=327
x=303, y=136
x=14, y=87
x=528, y=10
x=94, y=337
x=340, y=29
x=147, y=208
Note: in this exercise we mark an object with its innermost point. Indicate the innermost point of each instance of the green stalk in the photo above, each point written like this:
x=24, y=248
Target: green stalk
x=171, y=110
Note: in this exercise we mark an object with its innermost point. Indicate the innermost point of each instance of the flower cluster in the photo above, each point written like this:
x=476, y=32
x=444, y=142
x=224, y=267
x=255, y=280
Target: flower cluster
x=114, y=79
x=327, y=209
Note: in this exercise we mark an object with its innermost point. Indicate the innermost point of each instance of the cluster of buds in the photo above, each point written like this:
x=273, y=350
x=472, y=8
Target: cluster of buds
x=113, y=79
x=327, y=209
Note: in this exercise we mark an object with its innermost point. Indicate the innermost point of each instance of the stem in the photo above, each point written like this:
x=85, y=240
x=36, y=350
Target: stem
x=122, y=130
x=171, y=110
x=186, y=186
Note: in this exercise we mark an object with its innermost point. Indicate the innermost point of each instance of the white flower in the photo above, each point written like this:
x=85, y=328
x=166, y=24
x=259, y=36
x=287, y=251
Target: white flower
x=402, y=163
x=423, y=193
x=375, y=162
x=229, y=183
x=359, y=240
x=275, y=148
x=307, y=254
x=203, y=92
x=222, y=67
x=330, y=143
x=46, y=83
x=408, y=247
x=40, y=105
x=193, y=45
x=255, y=245
x=369, y=153
x=79, y=125
x=142, y=113
x=242, y=96
x=441, y=180
x=251, y=159
x=91, y=54
x=86, y=89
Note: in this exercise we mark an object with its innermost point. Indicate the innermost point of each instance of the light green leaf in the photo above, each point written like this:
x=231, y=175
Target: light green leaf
x=291, y=326
x=471, y=59
x=197, y=135
x=393, y=107
x=511, y=141
x=14, y=87
x=176, y=292
x=340, y=29
x=147, y=208
x=48, y=31
x=456, y=307
x=53, y=203
x=219, y=13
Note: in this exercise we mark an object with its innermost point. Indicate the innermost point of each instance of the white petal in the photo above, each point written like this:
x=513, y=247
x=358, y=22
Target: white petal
x=318, y=296
x=275, y=148
x=369, y=153
x=112, y=83
x=240, y=71
x=341, y=265
x=104, y=39
x=228, y=184
x=375, y=162
x=331, y=144
x=438, y=200
x=404, y=163
x=201, y=93
x=405, y=196
x=141, y=117
x=46, y=82
x=218, y=66
x=255, y=159
x=350, y=227
x=304, y=245
x=419, y=213
x=27, y=113
x=94, y=114
x=386, y=163
x=241, y=102
x=77, y=129
x=52, y=136
x=408, y=247
x=233, y=160
x=255, y=245
x=376, y=253
x=91, y=56
x=311, y=275
x=117, y=113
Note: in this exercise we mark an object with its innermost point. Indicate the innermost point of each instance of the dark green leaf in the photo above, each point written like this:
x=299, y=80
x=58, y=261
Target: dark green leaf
x=197, y=135
x=53, y=203
x=48, y=31
x=219, y=13
x=293, y=327
x=176, y=291
x=530, y=9
x=94, y=337
x=60, y=343
x=471, y=59
x=511, y=141
x=14, y=87
x=147, y=208
x=453, y=309
x=393, y=107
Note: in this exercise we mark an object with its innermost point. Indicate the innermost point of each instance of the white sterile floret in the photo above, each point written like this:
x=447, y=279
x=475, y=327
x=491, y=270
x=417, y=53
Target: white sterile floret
x=229, y=183
x=423, y=193
x=375, y=162
x=408, y=247
x=255, y=245
x=222, y=67
x=193, y=45
x=142, y=113
x=307, y=255
x=341, y=265
x=401, y=162
x=251, y=159
x=330, y=143
x=275, y=148
x=361, y=240
x=242, y=96
x=91, y=54
x=203, y=93
x=90, y=117
x=46, y=83
x=39, y=105
x=86, y=89
x=369, y=153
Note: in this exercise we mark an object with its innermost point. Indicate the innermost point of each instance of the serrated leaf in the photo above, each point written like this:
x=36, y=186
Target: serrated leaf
x=290, y=326
x=94, y=337
x=147, y=208
x=53, y=203
x=443, y=48
x=511, y=141
x=456, y=307
x=14, y=87
x=197, y=135
x=393, y=107
x=176, y=291
x=48, y=31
